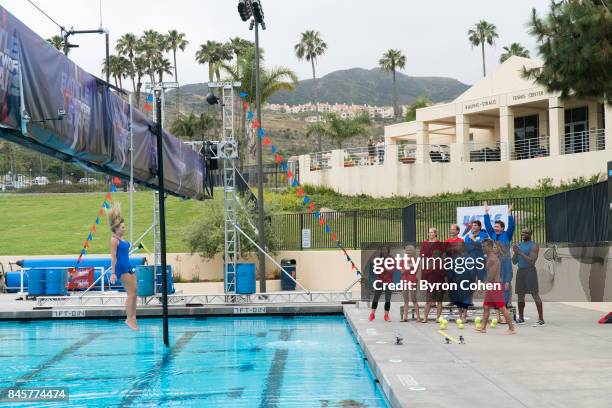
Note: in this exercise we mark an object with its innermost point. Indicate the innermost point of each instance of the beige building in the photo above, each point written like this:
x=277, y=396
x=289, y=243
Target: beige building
x=503, y=130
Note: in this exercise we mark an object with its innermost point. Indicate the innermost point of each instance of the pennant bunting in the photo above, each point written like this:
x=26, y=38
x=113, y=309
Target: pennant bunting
x=300, y=192
x=327, y=229
x=273, y=148
x=267, y=140
x=243, y=94
x=311, y=206
x=306, y=200
x=261, y=132
x=284, y=166
x=295, y=183
x=90, y=237
x=101, y=213
x=148, y=107
x=289, y=173
x=150, y=98
x=83, y=252
x=255, y=124
x=113, y=189
x=317, y=214
x=117, y=181
x=278, y=158
x=250, y=115
x=97, y=220
x=93, y=228
x=86, y=244
x=108, y=197
x=246, y=105
x=321, y=221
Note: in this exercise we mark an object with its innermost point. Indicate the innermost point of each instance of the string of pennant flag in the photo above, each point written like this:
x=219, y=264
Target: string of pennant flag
x=308, y=201
x=106, y=205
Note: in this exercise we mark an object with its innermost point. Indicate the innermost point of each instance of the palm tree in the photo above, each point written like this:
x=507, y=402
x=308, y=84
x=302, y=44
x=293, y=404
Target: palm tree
x=239, y=46
x=421, y=102
x=186, y=125
x=310, y=47
x=57, y=41
x=176, y=40
x=151, y=47
x=162, y=66
x=119, y=68
x=340, y=130
x=391, y=61
x=126, y=47
x=514, y=49
x=214, y=54
x=140, y=69
x=482, y=32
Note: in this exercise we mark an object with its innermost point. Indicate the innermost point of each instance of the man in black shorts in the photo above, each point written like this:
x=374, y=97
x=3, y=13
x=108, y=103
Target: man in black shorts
x=525, y=256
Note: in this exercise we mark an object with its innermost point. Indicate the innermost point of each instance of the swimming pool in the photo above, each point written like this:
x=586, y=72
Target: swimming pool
x=301, y=361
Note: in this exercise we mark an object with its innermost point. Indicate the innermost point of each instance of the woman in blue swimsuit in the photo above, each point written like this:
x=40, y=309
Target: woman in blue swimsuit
x=120, y=264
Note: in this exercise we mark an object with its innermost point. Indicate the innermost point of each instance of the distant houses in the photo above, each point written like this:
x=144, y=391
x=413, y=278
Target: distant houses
x=342, y=109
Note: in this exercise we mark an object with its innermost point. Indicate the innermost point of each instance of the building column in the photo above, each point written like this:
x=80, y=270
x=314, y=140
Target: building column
x=556, y=125
x=608, y=125
x=592, y=115
x=422, y=135
x=462, y=137
x=506, y=132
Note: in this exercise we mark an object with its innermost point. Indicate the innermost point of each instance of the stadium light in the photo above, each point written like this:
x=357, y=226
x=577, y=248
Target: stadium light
x=258, y=13
x=245, y=10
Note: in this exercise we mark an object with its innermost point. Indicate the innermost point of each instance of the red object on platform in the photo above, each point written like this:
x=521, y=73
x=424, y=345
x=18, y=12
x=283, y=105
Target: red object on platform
x=607, y=319
x=80, y=278
x=117, y=182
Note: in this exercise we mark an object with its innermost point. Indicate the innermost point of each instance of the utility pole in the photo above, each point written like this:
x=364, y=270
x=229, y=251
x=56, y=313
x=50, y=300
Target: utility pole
x=67, y=33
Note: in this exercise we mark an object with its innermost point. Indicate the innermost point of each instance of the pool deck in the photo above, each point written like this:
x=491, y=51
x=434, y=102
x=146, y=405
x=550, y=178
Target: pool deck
x=13, y=309
x=567, y=363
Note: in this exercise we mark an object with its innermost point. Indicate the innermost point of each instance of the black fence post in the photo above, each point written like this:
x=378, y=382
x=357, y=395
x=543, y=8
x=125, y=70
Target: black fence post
x=355, y=229
x=409, y=223
x=301, y=229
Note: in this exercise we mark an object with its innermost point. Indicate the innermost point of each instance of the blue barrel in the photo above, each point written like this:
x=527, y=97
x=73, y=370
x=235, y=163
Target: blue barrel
x=56, y=282
x=36, y=285
x=146, y=280
x=86, y=262
x=13, y=281
x=159, y=280
x=245, y=278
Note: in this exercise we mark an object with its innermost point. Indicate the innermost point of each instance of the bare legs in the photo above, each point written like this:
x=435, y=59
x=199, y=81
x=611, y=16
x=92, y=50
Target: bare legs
x=407, y=295
x=485, y=320
x=428, y=306
x=128, y=280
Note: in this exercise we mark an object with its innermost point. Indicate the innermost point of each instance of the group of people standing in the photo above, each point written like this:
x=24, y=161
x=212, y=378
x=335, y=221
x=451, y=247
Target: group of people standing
x=491, y=252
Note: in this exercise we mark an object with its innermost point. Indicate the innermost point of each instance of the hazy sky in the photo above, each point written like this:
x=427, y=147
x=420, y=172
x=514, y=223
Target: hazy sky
x=431, y=33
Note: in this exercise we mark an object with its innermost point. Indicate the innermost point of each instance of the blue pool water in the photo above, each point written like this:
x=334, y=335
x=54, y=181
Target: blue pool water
x=303, y=361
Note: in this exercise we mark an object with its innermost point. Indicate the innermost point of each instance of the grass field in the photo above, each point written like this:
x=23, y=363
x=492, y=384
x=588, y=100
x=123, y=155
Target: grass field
x=58, y=224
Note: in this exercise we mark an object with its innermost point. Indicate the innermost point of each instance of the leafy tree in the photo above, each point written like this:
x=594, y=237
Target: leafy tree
x=191, y=126
x=151, y=46
x=206, y=235
x=482, y=32
x=126, y=47
x=310, y=47
x=339, y=129
x=176, y=41
x=391, y=61
x=421, y=102
x=514, y=49
x=575, y=43
x=58, y=42
x=239, y=46
x=140, y=69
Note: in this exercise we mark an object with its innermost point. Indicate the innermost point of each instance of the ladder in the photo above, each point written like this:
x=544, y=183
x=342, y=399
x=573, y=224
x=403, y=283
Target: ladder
x=156, y=238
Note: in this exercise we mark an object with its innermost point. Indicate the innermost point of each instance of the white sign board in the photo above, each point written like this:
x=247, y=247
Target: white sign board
x=306, y=243
x=465, y=216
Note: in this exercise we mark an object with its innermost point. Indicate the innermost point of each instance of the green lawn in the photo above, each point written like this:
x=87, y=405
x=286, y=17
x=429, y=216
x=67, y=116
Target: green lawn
x=58, y=224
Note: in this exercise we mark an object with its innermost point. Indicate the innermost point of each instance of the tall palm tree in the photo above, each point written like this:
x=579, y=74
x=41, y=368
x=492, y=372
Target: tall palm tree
x=113, y=68
x=214, y=54
x=186, y=125
x=514, y=49
x=57, y=41
x=482, y=32
x=151, y=46
x=340, y=130
x=239, y=46
x=141, y=68
x=391, y=61
x=162, y=66
x=126, y=47
x=310, y=47
x=176, y=41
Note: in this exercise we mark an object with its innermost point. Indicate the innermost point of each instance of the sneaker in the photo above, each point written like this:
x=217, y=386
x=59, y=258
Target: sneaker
x=387, y=318
x=520, y=321
x=539, y=323
x=372, y=316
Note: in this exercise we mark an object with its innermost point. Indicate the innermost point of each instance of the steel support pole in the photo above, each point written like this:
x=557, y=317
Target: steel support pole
x=260, y=199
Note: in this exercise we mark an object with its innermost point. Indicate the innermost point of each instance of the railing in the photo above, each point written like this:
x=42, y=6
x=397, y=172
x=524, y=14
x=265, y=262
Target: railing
x=437, y=153
x=486, y=152
x=320, y=160
x=582, y=142
x=364, y=156
x=531, y=148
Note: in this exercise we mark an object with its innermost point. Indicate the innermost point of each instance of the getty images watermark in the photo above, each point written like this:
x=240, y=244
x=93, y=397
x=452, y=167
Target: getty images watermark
x=433, y=265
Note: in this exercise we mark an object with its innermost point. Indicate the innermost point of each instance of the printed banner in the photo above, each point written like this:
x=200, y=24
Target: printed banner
x=465, y=216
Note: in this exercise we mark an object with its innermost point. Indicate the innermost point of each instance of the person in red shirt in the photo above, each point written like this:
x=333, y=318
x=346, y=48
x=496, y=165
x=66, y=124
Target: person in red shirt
x=409, y=276
x=384, y=279
x=494, y=297
x=433, y=272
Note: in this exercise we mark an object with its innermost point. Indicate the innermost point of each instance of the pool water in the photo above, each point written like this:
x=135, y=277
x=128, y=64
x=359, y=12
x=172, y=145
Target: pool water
x=301, y=361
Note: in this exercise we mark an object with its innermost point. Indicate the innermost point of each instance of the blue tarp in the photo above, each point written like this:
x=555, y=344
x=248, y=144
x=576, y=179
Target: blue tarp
x=36, y=80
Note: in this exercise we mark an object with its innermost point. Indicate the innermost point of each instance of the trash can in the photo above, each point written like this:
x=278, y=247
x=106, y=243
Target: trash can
x=245, y=278
x=145, y=280
x=288, y=265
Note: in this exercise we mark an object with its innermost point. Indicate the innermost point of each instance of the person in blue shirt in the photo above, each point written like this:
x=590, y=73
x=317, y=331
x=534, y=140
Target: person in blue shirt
x=473, y=247
x=503, y=236
x=525, y=256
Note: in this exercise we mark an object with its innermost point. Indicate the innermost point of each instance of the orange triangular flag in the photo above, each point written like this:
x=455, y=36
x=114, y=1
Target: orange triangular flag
x=108, y=197
x=255, y=124
x=278, y=158
x=93, y=229
x=311, y=207
x=86, y=244
x=334, y=236
x=300, y=192
x=267, y=140
x=101, y=212
x=289, y=173
x=321, y=221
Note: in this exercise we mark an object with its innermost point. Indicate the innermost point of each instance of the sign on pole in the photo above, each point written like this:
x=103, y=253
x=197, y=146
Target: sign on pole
x=306, y=243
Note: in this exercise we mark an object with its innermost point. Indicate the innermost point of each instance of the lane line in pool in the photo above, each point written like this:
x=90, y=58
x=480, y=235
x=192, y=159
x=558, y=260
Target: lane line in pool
x=274, y=380
x=24, y=379
x=147, y=379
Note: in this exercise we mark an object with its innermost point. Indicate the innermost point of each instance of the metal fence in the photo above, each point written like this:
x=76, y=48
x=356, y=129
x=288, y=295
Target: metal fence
x=580, y=215
x=355, y=228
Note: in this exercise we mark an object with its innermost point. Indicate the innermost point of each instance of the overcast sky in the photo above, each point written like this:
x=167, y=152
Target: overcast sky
x=432, y=34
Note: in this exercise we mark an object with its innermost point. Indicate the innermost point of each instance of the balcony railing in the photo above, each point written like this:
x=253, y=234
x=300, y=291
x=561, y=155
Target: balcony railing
x=364, y=156
x=486, y=152
x=320, y=160
x=408, y=153
x=582, y=142
x=531, y=148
